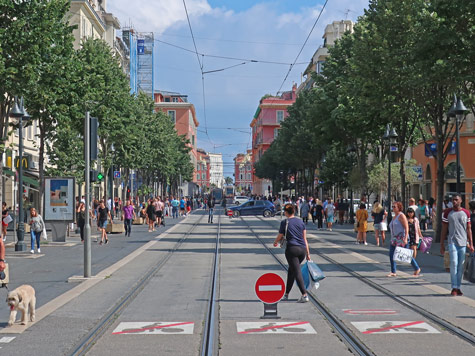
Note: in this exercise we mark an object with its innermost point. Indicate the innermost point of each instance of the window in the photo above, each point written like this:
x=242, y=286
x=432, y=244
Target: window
x=175, y=100
x=320, y=65
x=198, y=176
x=30, y=132
x=172, y=114
x=193, y=140
x=276, y=133
x=259, y=202
x=240, y=176
x=249, y=176
x=167, y=100
x=280, y=116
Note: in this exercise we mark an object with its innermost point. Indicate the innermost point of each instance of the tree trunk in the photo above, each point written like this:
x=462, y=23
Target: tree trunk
x=402, y=173
x=440, y=188
x=41, y=164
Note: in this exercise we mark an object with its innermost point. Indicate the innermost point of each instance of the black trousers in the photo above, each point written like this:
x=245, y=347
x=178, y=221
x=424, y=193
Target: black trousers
x=320, y=221
x=128, y=226
x=295, y=255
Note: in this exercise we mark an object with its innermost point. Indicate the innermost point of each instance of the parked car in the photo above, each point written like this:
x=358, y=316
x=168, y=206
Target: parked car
x=254, y=207
x=238, y=200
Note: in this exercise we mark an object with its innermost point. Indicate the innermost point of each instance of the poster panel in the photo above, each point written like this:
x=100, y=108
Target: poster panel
x=59, y=199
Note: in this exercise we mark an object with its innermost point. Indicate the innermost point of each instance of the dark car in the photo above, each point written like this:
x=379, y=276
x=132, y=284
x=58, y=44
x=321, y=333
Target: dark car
x=254, y=207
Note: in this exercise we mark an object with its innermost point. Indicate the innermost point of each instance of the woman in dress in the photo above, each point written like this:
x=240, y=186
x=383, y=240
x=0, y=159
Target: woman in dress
x=361, y=224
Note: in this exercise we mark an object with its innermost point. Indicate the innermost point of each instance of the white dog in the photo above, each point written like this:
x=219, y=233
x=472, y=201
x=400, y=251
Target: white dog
x=22, y=299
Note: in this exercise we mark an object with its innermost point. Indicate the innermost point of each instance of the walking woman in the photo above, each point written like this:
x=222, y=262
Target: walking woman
x=414, y=235
x=399, y=237
x=361, y=224
x=151, y=216
x=293, y=230
x=36, y=228
x=5, y=217
x=81, y=219
x=379, y=215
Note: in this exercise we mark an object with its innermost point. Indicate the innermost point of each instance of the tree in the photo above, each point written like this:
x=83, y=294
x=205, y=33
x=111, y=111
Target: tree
x=32, y=33
x=228, y=180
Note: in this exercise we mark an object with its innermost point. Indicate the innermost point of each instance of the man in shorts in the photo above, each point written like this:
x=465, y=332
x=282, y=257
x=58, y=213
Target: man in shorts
x=159, y=206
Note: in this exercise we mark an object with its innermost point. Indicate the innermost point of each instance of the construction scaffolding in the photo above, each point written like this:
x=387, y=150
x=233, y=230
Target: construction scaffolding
x=141, y=57
x=145, y=45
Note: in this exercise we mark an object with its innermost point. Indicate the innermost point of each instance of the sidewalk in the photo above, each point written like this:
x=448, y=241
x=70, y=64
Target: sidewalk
x=49, y=271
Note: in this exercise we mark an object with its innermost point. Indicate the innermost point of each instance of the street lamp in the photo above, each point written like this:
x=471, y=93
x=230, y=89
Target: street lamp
x=20, y=113
x=390, y=136
x=457, y=111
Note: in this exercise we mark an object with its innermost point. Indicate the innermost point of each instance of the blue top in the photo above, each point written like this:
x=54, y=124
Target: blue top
x=182, y=204
x=295, y=231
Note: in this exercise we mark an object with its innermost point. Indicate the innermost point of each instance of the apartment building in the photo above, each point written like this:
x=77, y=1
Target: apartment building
x=243, y=172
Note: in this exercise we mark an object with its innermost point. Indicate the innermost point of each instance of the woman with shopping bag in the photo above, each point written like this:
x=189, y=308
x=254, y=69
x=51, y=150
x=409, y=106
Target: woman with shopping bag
x=293, y=231
x=399, y=238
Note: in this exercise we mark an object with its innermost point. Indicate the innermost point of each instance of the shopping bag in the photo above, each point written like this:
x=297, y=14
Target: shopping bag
x=469, y=273
x=426, y=243
x=308, y=282
x=45, y=237
x=7, y=219
x=402, y=254
x=315, y=272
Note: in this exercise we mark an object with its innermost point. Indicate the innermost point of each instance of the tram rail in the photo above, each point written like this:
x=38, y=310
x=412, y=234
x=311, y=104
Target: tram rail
x=444, y=324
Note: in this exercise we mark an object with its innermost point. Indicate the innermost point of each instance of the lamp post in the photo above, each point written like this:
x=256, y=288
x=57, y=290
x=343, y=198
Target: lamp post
x=390, y=136
x=19, y=112
x=457, y=111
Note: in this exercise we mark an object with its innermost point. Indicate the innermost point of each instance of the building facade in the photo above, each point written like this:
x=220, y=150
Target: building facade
x=424, y=154
x=265, y=128
x=243, y=172
x=333, y=31
x=203, y=170
x=183, y=115
x=216, y=172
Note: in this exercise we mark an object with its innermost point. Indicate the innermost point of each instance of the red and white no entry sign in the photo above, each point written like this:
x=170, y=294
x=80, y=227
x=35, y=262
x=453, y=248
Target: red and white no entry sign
x=270, y=288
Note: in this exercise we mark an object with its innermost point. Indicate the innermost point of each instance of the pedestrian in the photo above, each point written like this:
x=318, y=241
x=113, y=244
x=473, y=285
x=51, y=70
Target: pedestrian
x=341, y=211
x=159, y=206
x=399, y=228
x=175, y=204
x=319, y=215
x=211, y=204
x=361, y=224
x=304, y=210
x=36, y=228
x=294, y=231
x=379, y=215
x=2, y=255
x=128, y=215
x=182, y=207
x=81, y=219
x=104, y=215
x=414, y=236
x=188, y=205
x=151, y=215
x=423, y=214
x=5, y=216
x=330, y=214
x=457, y=229
x=223, y=204
x=414, y=206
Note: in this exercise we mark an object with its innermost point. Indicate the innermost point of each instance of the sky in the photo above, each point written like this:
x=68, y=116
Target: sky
x=266, y=31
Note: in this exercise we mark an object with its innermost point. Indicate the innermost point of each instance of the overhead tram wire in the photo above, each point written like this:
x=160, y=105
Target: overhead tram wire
x=201, y=63
x=227, y=57
x=303, y=46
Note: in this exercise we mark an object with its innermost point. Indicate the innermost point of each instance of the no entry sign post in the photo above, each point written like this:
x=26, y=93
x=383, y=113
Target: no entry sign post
x=270, y=289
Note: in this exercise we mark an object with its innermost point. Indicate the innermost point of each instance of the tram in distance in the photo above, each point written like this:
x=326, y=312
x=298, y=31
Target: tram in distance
x=229, y=193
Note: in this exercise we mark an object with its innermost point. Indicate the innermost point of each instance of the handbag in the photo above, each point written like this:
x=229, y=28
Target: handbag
x=426, y=243
x=402, y=254
x=398, y=240
x=469, y=273
x=383, y=226
x=315, y=272
x=283, y=243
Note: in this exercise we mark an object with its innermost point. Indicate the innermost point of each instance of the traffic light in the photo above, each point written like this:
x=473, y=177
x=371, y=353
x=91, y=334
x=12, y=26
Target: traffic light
x=93, y=138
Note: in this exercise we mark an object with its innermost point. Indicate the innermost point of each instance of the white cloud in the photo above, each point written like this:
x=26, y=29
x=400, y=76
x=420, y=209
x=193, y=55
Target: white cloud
x=260, y=32
x=156, y=15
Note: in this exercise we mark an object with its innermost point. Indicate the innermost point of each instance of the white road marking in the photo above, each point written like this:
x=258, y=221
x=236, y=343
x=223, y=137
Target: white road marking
x=7, y=339
x=395, y=327
x=154, y=328
x=270, y=288
x=286, y=327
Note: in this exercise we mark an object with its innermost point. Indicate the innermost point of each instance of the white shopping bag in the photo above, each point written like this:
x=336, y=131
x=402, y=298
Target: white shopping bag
x=402, y=254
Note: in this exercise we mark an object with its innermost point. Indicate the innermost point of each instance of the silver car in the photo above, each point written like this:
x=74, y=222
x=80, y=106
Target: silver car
x=238, y=200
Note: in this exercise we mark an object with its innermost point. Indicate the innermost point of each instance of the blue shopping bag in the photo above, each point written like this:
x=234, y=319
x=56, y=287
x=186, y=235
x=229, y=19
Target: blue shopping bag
x=314, y=271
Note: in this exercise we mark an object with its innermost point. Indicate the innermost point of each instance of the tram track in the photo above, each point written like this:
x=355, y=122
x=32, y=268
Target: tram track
x=209, y=342
x=444, y=324
x=347, y=336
